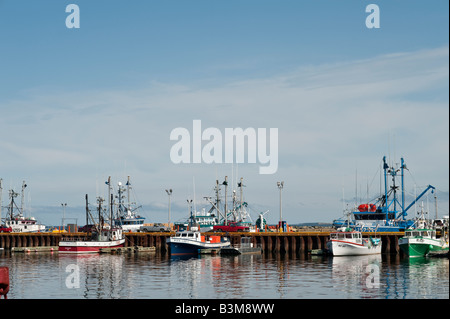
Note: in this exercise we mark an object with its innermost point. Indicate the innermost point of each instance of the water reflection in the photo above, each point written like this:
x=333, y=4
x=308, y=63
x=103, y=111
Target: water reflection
x=360, y=272
x=46, y=275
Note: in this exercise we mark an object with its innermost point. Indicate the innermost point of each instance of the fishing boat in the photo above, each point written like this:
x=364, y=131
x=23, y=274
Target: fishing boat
x=389, y=211
x=127, y=219
x=190, y=242
x=206, y=220
x=102, y=236
x=420, y=240
x=350, y=243
x=15, y=219
x=106, y=238
x=236, y=214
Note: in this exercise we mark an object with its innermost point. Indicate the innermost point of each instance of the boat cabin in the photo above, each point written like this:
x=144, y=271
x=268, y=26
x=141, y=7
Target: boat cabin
x=429, y=233
x=108, y=234
x=347, y=236
x=188, y=235
x=197, y=236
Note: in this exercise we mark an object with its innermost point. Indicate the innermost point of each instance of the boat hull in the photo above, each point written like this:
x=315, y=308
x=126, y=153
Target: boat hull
x=420, y=247
x=344, y=248
x=86, y=247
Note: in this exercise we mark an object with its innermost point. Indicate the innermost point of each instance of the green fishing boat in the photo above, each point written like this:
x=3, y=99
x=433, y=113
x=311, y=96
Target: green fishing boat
x=420, y=241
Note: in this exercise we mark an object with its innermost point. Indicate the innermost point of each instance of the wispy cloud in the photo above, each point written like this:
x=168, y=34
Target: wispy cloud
x=330, y=118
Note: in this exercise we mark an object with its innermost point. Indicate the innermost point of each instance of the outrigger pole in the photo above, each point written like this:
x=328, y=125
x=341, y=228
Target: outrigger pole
x=393, y=172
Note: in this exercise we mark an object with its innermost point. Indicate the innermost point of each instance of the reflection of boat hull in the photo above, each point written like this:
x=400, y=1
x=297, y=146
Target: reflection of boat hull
x=343, y=248
x=84, y=247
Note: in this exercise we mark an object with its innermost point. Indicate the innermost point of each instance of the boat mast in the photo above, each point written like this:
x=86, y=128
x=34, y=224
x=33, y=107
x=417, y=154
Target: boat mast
x=128, y=193
x=12, y=195
x=111, y=211
x=435, y=203
x=403, y=167
x=100, y=219
x=217, y=197
x=109, y=197
x=385, y=168
x=226, y=207
x=241, y=199
x=87, y=209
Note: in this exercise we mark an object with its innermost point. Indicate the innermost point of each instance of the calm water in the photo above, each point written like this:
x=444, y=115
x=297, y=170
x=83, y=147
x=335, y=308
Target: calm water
x=274, y=276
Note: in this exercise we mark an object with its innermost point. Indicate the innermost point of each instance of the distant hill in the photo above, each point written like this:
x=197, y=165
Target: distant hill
x=319, y=224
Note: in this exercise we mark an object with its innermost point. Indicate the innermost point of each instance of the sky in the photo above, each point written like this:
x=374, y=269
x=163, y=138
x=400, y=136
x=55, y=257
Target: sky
x=80, y=104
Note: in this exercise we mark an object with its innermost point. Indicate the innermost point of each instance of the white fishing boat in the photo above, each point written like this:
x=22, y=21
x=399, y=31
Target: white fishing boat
x=106, y=238
x=15, y=218
x=127, y=218
x=351, y=243
x=190, y=242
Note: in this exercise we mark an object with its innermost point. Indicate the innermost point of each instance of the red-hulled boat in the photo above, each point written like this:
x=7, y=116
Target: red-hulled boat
x=102, y=237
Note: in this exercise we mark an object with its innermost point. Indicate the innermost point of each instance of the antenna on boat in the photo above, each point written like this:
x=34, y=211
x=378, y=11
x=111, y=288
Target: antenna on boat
x=226, y=207
x=1, y=192
x=100, y=219
x=241, y=200
x=87, y=210
x=128, y=192
x=435, y=202
x=110, y=196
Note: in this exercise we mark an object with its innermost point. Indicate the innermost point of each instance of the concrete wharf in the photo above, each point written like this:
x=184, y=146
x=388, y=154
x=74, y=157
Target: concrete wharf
x=283, y=242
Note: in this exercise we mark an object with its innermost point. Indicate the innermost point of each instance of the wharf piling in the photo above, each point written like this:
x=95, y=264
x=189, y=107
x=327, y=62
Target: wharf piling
x=282, y=242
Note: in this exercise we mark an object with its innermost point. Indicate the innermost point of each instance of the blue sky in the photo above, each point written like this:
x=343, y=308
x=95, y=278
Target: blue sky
x=78, y=105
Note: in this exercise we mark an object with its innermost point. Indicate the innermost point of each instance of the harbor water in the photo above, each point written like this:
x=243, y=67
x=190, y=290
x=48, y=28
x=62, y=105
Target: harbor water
x=267, y=276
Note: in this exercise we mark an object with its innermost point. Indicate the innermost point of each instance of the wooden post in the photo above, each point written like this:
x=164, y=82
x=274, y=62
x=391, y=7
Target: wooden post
x=269, y=243
x=309, y=244
x=387, y=244
x=319, y=242
x=301, y=244
x=287, y=246
x=293, y=244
